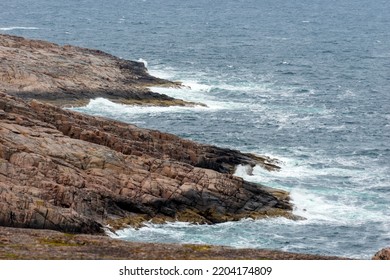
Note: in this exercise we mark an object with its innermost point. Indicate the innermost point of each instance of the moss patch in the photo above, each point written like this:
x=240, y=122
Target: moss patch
x=60, y=242
x=10, y=256
x=198, y=248
x=191, y=216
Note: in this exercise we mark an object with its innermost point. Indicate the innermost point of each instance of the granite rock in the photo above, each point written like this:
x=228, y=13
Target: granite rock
x=71, y=76
x=75, y=173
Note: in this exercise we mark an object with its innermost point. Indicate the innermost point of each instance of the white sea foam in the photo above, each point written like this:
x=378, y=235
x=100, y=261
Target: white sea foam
x=326, y=203
x=196, y=86
x=196, y=81
x=223, y=92
x=291, y=168
x=177, y=232
x=143, y=61
x=245, y=87
x=195, y=92
x=102, y=106
x=163, y=73
x=18, y=28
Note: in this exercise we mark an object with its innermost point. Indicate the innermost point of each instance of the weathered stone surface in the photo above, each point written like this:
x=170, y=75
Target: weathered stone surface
x=30, y=244
x=72, y=75
x=383, y=254
x=68, y=75
x=70, y=172
x=74, y=173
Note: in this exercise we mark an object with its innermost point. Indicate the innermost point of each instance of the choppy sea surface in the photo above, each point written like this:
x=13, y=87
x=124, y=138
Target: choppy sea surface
x=307, y=82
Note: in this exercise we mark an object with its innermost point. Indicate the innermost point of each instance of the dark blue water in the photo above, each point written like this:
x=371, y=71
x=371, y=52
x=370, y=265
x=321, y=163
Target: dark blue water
x=307, y=82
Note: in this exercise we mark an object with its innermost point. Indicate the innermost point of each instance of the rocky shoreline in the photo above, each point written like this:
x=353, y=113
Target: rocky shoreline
x=71, y=76
x=72, y=173
x=66, y=171
x=19, y=244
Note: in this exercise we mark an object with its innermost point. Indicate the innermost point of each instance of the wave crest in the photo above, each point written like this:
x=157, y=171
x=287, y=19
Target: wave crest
x=19, y=28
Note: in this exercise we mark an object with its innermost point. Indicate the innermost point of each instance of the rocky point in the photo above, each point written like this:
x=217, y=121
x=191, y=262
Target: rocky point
x=71, y=172
x=71, y=76
x=75, y=173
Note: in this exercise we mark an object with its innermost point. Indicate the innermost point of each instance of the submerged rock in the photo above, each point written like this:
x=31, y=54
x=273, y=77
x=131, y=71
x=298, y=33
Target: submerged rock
x=67, y=171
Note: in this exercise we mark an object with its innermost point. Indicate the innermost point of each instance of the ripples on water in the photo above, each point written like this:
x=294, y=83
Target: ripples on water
x=303, y=81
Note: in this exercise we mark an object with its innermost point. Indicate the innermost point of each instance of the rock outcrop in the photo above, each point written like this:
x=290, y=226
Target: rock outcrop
x=383, y=254
x=68, y=75
x=70, y=172
x=75, y=173
x=31, y=244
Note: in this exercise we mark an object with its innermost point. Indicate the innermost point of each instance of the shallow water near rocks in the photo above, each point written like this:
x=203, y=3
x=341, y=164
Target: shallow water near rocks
x=306, y=82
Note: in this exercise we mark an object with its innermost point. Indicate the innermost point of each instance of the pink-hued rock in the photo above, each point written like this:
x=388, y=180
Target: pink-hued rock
x=68, y=75
x=70, y=172
x=383, y=254
x=67, y=171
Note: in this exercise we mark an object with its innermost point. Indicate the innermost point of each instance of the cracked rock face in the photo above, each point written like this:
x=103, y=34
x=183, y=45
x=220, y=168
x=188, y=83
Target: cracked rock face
x=74, y=173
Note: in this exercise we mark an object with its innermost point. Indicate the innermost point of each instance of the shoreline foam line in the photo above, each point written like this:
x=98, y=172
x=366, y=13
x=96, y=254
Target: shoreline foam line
x=19, y=28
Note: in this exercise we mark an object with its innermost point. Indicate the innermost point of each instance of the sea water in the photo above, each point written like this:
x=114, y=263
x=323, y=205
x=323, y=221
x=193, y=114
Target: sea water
x=306, y=82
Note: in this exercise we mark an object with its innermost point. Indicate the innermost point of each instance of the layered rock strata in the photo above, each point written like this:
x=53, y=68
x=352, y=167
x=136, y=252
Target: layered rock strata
x=66, y=171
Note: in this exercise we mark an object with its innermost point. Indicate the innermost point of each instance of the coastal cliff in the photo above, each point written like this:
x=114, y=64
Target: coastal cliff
x=75, y=173
x=70, y=172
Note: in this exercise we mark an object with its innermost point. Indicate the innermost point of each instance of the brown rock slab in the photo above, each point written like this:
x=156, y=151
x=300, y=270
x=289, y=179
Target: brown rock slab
x=71, y=76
